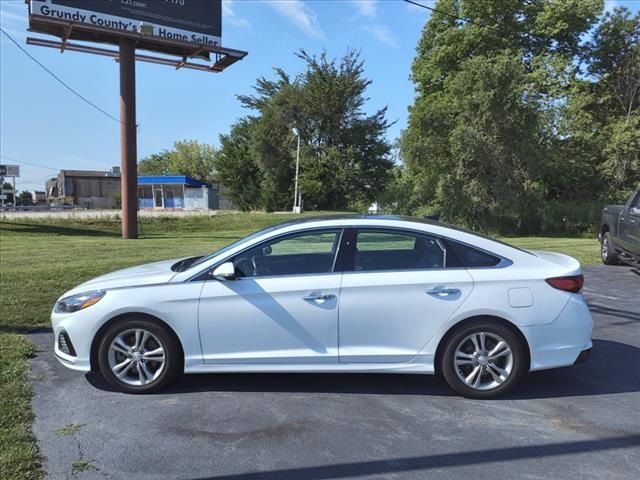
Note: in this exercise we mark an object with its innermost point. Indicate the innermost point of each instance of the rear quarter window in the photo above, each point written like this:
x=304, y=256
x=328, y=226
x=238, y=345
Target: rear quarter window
x=470, y=257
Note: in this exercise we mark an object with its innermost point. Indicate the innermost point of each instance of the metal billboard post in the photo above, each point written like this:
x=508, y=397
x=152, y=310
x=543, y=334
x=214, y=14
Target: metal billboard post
x=190, y=32
x=128, y=139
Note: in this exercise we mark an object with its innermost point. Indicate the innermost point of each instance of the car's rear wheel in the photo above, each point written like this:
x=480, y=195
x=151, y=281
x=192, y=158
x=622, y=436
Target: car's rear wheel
x=138, y=356
x=608, y=251
x=483, y=360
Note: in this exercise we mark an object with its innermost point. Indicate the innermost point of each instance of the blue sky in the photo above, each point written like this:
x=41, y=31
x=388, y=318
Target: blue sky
x=41, y=122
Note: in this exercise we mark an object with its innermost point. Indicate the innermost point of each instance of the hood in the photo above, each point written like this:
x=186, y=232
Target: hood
x=148, y=274
x=564, y=264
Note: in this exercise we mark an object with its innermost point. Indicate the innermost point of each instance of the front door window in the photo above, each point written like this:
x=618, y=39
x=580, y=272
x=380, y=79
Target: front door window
x=298, y=254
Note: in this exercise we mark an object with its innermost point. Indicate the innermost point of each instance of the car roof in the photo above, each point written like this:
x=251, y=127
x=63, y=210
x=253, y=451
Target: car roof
x=356, y=216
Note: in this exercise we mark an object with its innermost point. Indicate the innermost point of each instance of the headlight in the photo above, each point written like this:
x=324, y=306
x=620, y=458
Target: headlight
x=79, y=301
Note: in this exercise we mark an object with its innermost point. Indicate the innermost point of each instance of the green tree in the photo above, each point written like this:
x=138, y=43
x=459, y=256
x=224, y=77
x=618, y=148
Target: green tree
x=485, y=118
x=188, y=157
x=614, y=61
x=237, y=168
x=598, y=142
x=24, y=199
x=8, y=191
x=155, y=164
x=344, y=158
x=193, y=159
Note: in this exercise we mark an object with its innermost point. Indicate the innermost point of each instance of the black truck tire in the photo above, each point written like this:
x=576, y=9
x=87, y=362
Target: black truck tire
x=608, y=251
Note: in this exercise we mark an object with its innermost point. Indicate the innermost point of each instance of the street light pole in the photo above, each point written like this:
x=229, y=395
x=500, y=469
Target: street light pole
x=296, y=204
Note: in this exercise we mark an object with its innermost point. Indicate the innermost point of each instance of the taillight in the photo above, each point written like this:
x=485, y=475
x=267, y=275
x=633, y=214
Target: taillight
x=571, y=284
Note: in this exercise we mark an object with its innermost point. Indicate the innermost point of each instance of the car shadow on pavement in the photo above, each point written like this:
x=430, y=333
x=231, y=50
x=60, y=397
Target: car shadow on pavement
x=437, y=461
x=612, y=368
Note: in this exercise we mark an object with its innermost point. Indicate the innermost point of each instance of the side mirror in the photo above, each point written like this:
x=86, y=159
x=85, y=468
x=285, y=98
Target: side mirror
x=226, y=271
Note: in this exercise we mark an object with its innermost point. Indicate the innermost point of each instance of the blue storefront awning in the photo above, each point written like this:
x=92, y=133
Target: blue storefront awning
x=170, y=180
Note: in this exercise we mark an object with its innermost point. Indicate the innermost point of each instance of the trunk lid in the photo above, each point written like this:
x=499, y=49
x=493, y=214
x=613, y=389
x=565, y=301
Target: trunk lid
x=564, y=264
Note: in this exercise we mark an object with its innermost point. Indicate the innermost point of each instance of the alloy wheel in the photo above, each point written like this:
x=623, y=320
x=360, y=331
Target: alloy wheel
x=483, y=360
x=136, y=357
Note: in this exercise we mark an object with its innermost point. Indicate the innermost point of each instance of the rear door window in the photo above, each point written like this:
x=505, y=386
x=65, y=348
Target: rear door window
x=379, y=250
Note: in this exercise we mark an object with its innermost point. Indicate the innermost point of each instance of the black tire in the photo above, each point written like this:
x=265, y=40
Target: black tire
x=450, y=371
x=172, y=357
x=608, y=250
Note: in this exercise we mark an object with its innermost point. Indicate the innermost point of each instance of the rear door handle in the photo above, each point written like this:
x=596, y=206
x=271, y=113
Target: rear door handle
x=318, y=297
x=443, y=292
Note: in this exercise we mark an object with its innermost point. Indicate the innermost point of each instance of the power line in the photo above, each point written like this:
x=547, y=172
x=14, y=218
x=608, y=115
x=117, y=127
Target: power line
x=58, y=78
x=467, y=20
x=37, y=180
x=28, y=163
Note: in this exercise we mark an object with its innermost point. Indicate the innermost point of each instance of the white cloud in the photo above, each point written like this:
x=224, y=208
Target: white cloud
x=366, y=8
x=300, y=14
x=369, y=9
x=231, y=17
x=382, y=33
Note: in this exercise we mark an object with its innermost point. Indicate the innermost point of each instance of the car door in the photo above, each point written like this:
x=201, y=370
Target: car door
x=629, y=226
x=396, y=295
x=282, y=307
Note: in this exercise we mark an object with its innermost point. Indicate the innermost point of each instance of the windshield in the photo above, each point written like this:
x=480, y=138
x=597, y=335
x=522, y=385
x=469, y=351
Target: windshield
x=200, y=260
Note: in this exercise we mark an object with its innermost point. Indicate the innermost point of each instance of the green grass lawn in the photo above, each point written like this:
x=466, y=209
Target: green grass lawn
x=40, y=259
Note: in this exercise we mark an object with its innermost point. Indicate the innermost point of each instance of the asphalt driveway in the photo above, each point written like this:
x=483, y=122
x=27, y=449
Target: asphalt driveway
x=579, y=422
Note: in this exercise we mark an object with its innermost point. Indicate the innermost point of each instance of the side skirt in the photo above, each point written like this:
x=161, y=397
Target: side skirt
x=423, y=368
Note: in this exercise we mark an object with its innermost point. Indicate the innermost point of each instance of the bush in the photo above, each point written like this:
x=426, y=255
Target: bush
x=571, y=219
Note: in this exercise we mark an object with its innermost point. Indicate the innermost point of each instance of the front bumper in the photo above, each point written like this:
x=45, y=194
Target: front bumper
x=562, y=342
x=80, y=332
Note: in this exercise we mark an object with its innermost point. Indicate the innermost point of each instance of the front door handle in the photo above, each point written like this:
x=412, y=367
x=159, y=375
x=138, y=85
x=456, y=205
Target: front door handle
x=318, y=297
x=443, y=292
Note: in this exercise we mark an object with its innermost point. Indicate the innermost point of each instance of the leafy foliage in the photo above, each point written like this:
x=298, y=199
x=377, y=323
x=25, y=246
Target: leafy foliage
x=24, y=198
x=344, y=158
x=237, y=167
x=515, y=112
x=188, y=157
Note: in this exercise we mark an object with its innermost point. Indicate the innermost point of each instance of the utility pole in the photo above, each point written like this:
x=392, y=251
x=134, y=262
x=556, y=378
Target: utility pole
x=128, y=140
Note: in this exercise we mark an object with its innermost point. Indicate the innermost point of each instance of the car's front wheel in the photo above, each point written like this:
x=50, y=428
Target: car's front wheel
x=483, y=360
x=138, y=356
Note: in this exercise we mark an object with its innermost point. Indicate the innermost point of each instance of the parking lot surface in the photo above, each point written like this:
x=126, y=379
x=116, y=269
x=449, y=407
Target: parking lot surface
x=579, y=422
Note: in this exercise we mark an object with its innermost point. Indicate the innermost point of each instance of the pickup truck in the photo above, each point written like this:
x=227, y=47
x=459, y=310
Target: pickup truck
x=620, y=232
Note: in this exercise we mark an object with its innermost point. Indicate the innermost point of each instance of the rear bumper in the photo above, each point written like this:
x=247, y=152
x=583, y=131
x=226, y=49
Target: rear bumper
x=562, y=342
x=583, y=357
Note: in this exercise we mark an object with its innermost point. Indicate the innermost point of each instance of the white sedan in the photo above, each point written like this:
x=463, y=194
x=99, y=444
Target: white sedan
x=334, y=294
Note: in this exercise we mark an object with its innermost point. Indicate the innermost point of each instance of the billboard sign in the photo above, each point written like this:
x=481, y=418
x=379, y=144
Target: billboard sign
x=193, y=21
x=9, y=171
